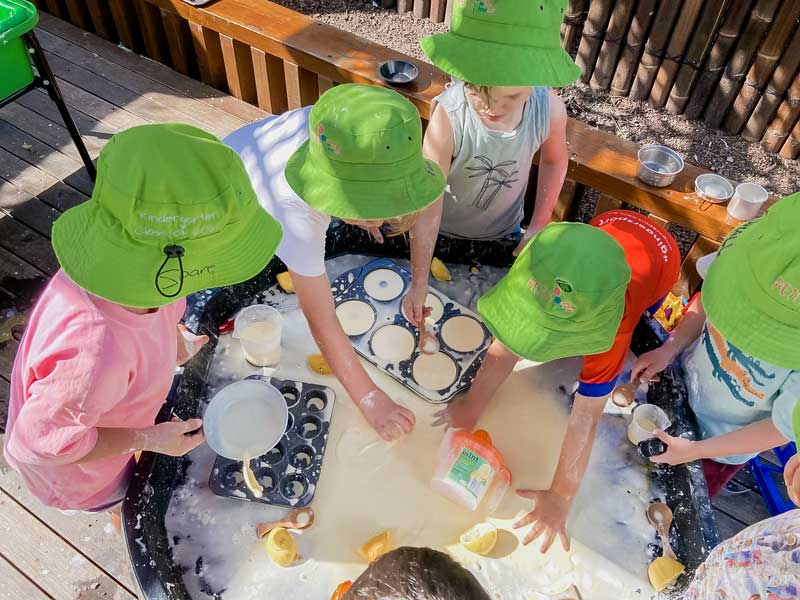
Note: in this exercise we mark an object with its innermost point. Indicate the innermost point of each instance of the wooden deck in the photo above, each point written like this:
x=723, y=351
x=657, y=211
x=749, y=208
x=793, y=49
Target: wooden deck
x=44, y=553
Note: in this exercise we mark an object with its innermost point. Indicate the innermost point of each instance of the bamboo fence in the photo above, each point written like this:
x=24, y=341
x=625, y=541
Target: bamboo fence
x=733, y=63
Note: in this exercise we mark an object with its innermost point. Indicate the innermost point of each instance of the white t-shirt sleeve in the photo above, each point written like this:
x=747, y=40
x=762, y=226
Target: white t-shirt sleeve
x=265, y=147
x=783, y=409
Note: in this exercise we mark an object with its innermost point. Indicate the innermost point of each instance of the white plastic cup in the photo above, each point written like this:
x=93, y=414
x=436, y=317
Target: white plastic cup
x=747, y=201
x=644, y=420
x=258, y=328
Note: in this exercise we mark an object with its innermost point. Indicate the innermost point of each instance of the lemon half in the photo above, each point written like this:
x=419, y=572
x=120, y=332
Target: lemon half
x=376, y=547
x=440, y=271
x=663, y=572
x=480, y=539
x=281, y=547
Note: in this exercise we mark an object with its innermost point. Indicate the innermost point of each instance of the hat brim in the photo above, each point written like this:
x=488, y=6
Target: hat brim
x=537, y=336
x=357, y=199
x=476, y=62
x=103, y=259
x=731, y=308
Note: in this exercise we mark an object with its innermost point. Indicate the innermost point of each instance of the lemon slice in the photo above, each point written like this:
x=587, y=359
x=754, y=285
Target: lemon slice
x=663, y=572
x=376, y=547
x=250, y=479
x=319, y=365
x=285, y=281
x=480, y=539
x=440, y=271
x=281, y=547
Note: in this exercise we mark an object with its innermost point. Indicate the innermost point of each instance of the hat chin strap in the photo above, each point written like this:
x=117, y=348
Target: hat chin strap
x=171, y=252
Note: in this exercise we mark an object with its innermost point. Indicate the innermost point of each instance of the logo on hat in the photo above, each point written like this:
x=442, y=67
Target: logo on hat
x=554, y=294
x=479, y=6
x=786, y=290
x=322, y=138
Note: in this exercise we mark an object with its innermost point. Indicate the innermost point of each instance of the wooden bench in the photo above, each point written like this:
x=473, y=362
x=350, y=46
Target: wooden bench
x=278, y=59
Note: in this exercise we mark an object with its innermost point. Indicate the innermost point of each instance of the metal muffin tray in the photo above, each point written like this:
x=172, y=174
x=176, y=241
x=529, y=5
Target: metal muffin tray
x=350, y=286
x=290, y=471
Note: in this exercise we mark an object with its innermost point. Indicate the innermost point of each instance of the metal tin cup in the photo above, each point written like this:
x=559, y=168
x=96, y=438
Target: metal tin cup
x=747, y=201
x=245, y=419
x=713, y=188
x=645, y=419
x=398, y=72
x=658, y=165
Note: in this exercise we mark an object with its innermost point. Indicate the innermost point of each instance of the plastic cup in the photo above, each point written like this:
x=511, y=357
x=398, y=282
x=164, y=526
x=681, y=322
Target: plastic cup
x=245, y=419
x=747, y=201
x=644, y=420
x=258, y=328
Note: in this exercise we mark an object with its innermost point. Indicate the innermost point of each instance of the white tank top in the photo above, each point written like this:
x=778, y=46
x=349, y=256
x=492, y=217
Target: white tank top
x=485, y=193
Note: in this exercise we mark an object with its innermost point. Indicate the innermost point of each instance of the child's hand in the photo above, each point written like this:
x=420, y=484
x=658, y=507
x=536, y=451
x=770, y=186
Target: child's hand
x=414, y=308
x=531, y=231
x=649, y=364
x=388, y=418
x=189, y=344
x=171, y=438
x=462, y=413
x=791, y=474
x=549, y=516
x=679, y=450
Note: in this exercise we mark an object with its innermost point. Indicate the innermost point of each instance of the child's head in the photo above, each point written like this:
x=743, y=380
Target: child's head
x=173, y=212
x=495, y=103
x=504, y=43
x=416, y=574
x=363, y=162
x=751, y=292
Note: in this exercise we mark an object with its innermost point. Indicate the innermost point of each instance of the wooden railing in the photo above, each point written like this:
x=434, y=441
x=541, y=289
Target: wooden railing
x=278, y=59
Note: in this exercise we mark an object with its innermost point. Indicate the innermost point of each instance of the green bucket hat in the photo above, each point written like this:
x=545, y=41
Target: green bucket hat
x=173, y=212
x=363, y=158
x=504, y=43
x=751, y=293
x=563, y=296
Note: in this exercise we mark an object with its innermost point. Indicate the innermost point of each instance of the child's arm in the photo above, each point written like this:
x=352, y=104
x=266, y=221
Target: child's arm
x=649, y=364
x=390, y=420
x=552, y=505
x=438, y=147
x=553, y=163
x=791, y=475
x=174, y=438
x=465, y=412
x=753, y=438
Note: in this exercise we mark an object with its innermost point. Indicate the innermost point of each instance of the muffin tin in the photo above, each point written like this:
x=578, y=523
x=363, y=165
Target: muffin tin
x=350, y=286
x=290, y=471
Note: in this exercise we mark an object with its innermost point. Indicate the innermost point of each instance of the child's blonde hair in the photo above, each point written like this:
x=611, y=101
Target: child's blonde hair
x=484, y=94
x=400, y=225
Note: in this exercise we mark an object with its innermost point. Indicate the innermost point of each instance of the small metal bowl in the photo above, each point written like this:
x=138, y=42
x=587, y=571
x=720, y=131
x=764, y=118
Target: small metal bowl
x=713, y=188
x=658, y=165
x=399, y=72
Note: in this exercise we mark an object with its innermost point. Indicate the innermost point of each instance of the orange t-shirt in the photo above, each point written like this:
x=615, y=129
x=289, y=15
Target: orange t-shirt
x=655, y=261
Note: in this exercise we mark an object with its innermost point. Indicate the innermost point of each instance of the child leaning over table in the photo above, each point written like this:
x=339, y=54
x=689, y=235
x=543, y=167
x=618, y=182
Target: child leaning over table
x=486, y=127
x=172, y=213
x=742, y=356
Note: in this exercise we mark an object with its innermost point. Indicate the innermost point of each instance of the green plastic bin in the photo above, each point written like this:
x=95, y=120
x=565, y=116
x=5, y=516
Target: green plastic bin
x=17, y=17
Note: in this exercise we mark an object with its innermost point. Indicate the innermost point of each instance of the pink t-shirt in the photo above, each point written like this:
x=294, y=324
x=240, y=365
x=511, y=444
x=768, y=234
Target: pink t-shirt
x=84, y=363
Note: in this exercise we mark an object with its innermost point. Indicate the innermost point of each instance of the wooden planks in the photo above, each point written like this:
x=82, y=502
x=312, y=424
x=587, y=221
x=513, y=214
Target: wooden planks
x=60, y=570
x=88, y=532
x=239, y=69
x=301, y=86
x=270, y=82
x=16, y=585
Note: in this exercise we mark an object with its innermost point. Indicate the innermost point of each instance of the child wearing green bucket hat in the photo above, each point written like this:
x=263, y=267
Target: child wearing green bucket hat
x=574, y=290
x=356, y=155
x=486, y=127
x=172, y=212
x=739, y=344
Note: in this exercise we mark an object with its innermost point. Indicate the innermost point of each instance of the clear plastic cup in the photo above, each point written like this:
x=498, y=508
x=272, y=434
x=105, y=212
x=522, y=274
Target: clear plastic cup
x=258, y=328
x=747, y=201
